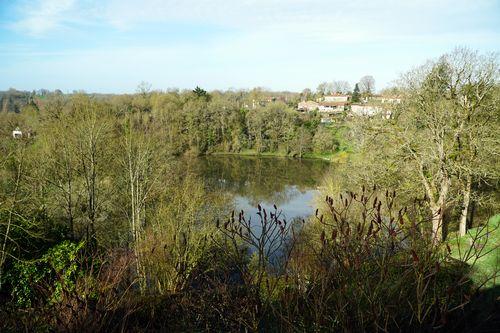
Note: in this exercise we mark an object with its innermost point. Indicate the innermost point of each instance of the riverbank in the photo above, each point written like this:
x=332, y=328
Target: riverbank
x=340, y=156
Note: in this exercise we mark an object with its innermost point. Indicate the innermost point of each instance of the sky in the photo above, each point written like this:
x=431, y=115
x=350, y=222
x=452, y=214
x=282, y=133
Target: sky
x=110, y=46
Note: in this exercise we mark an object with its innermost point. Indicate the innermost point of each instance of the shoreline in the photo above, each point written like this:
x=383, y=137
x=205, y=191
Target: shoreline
x=333, y=157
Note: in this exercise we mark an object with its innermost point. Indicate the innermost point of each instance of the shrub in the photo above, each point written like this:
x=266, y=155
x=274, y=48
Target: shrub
x=57, y=269
x=369, y=265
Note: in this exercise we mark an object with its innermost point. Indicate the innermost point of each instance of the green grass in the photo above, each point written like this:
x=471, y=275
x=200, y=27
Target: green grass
x=322, y=156
x=488, y=263
x=252, y=152
x=337, y=156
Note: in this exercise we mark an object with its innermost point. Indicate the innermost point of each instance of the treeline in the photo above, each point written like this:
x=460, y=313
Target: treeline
x=201, y=123
x=196, y=122
x=14, y=100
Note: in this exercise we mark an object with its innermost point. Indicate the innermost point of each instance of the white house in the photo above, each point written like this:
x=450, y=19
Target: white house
x=332, y=107
x=308, y=106
x=16, y=134
x=365, y=110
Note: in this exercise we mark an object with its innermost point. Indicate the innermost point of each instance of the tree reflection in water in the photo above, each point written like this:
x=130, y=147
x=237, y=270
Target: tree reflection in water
x=291, y=184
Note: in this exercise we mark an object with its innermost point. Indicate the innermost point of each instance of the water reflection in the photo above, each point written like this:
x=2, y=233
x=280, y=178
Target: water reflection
x=289, y=183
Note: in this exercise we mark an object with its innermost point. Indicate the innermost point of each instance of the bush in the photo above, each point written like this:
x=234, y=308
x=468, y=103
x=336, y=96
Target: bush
x=368, y=265
x=57, y=269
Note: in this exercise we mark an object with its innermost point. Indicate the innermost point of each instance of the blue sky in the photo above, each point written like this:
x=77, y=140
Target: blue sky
x=113, y=45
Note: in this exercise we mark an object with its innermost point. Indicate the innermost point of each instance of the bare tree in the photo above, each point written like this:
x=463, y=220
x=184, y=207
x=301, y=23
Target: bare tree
x=444, y=129
x=341, y=87
x=471, y=85
x=322, y=88
x=91, y=140
x=441, y=140
x=141, y=167
x=367, y=85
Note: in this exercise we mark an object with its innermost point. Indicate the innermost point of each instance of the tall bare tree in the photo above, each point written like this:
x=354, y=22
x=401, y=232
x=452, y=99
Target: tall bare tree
x=367, y=85
x=442, y=139
x=472, y=85
x=445, y=128
x=91, y=137
x=139, y=162
x=341, y=87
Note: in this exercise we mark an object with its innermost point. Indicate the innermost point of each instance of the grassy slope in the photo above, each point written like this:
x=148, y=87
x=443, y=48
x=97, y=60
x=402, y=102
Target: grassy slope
x=331, y=157
x=340, y=155
x=489, y=262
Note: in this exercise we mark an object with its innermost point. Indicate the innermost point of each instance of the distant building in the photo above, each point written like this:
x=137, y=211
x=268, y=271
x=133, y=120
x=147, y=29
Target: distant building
x=308, y=106
x=17, y=134
x=365, y=110
x=332, y=107
x=336, y=98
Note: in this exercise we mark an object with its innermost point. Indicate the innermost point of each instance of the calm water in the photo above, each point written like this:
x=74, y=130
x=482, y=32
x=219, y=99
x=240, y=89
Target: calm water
x=291, y=184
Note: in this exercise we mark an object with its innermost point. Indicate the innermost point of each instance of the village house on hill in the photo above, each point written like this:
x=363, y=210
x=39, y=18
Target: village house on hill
x=365, y=110
x=376, y=104
x=332, y=107
x=330, y=104
x=327, y=106
x=308, y=106
x=336, y=104
x=386, y=99
x=336, y=98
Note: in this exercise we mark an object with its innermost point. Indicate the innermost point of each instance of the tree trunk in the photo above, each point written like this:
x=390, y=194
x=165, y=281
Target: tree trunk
x=437, y=210
x=437, y=223
x=465, y=207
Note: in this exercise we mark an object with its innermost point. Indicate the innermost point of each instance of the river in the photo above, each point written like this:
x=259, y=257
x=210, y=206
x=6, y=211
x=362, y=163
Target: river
x=290, y=184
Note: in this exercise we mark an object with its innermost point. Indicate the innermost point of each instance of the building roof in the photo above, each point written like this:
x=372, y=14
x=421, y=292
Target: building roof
x=333, y=103
x=337, y=95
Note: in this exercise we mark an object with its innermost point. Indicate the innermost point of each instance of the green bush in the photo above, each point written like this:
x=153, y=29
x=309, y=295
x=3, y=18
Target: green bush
x=51, y=275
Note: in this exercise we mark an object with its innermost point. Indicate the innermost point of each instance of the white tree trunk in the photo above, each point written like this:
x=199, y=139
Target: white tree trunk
x=465, y=206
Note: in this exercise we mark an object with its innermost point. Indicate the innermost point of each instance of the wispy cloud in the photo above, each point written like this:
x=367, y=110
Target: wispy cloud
x=43, y=16
x=286, y=44
x=331, y=20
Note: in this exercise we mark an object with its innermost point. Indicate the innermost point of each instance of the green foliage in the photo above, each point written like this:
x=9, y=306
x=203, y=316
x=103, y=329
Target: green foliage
x=325, y=140
x=356, y=96
x=201, y=93
x=56, y=270
x=196, y=125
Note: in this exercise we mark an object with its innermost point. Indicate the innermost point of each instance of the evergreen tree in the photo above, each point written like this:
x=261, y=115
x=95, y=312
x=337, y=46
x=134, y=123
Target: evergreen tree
x=355, y=94
x=201, y=93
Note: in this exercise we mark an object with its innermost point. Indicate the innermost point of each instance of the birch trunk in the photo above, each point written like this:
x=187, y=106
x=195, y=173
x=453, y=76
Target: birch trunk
x=465, y=207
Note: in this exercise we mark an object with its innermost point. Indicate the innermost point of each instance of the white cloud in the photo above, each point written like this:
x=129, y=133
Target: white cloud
x=43, y=16
x=322, y=20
